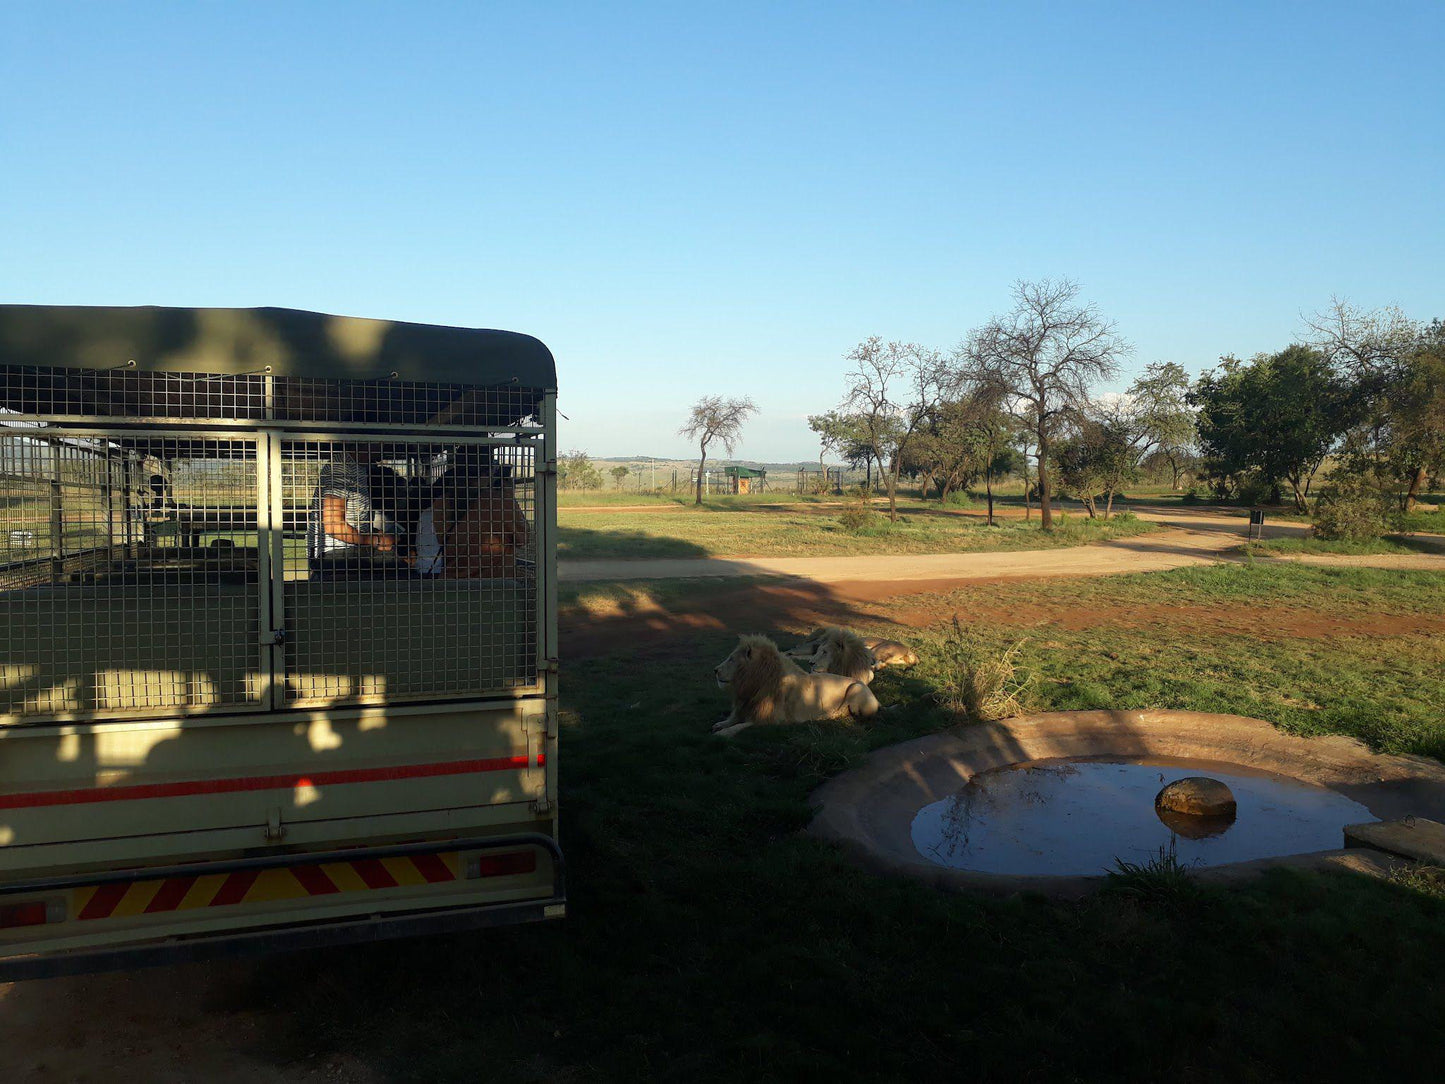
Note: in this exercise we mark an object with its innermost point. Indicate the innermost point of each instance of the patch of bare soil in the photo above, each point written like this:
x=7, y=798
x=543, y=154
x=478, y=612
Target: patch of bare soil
x=917, y=604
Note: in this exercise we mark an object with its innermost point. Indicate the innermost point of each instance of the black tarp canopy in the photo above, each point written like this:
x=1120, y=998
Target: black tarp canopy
x=127, y=363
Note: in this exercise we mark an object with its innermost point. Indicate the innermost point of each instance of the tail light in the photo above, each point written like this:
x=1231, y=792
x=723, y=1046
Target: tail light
x=501, y=865
x=30, y=913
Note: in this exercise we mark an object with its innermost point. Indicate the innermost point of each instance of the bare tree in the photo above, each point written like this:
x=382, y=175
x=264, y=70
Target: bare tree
x=1046, y=353
x=893, y=389
x=715, y=418
x=1362, y=343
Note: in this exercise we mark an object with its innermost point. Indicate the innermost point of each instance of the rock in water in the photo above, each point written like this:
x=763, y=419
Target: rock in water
x=1196, y=796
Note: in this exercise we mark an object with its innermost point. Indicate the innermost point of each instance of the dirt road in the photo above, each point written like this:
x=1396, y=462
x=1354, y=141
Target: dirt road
x=1188, y=538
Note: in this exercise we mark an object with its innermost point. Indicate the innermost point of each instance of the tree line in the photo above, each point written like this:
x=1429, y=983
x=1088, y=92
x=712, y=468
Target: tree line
x=1019, y=395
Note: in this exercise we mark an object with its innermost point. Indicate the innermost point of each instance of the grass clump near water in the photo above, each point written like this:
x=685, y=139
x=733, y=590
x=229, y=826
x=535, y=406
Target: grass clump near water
x=1161, y=880
x=976, y=678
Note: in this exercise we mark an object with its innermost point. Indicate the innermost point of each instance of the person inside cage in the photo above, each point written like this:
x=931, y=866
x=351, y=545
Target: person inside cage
x=358, y=515
x=473, y=525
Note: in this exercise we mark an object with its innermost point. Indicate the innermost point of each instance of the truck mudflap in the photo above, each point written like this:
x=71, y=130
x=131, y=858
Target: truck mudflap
x=173, y=914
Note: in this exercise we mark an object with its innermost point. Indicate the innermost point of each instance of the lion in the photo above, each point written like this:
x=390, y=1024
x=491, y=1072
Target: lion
x=768, y=688
x=890, y=652
x=842, y=651
x=887, y=652
x=809, y=647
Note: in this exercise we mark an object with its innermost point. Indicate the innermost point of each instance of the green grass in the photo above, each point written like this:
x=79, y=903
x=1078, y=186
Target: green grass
x=708, y=940
x=1338, y=546
x=1427, y=522
x=718, y=530
x=598, y=498
x=1242, y=588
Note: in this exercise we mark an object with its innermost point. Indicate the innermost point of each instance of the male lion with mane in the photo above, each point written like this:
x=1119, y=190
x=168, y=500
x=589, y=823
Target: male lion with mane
x=887, y=652
x=842, y=651
x=768, y=688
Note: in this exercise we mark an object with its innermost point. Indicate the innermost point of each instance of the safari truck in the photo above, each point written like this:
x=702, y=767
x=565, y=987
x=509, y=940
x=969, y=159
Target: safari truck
x=278, y=633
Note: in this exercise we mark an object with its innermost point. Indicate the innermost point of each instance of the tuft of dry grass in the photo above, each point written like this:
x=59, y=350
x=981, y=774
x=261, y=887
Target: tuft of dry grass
x=980, y=680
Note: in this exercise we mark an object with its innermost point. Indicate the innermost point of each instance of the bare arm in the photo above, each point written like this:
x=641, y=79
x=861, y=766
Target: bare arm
x=333, y=522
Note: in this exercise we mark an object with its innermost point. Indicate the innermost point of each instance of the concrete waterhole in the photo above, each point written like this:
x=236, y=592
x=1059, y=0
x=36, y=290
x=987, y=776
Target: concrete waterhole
x=1049, y=803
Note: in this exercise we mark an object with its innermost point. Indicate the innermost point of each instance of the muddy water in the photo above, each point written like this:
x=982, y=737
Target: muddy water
x=1076, y=817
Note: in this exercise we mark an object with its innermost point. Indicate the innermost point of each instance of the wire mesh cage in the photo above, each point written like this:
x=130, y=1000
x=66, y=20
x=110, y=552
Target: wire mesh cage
x=54, y=393
x=184, y=542
x=409, y=568
x=128, y=575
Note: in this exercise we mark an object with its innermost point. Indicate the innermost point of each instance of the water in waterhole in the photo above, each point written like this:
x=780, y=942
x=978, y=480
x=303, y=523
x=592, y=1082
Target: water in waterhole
x=1076, y=817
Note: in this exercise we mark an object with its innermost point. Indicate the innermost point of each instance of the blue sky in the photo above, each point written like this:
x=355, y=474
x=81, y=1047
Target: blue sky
x=692, y=198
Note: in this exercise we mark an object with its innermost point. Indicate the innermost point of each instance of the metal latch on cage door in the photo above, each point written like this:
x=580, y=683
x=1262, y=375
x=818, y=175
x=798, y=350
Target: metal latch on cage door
x=274, y=637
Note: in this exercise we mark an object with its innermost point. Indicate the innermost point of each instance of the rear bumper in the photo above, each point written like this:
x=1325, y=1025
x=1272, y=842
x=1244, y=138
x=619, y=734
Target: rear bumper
x=293, y=928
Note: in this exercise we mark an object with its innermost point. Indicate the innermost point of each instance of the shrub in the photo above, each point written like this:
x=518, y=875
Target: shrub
x=1256, y=491
x=1125, y=516
x=979, y=681
x=1191, y=496
x=859, y=517
x=1352, y=509
x=958, y=499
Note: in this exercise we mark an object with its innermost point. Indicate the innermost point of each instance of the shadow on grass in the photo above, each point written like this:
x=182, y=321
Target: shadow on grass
x=670, y=616
x=586, y=543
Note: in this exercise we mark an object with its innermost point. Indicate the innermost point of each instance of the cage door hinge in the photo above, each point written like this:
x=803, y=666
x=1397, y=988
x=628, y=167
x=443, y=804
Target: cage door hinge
x=275, y=830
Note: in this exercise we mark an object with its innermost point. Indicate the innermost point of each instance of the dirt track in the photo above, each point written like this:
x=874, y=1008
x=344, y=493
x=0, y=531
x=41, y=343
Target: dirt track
x=1188, y=538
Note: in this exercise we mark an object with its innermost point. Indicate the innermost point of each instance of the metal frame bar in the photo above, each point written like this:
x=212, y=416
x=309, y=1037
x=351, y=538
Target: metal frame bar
x=268, y=559
x=123, y=425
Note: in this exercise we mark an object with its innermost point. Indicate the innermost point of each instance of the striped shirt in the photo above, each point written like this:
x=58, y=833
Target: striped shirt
x=346, y=479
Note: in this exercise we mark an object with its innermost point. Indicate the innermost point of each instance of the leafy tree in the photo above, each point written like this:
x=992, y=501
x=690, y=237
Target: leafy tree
x=1159, y=411
x=946, y=449
x=1099, y=461
x=576, y=471
x=1042, y=357
x=1397, y=377
x=618, y=473
x=1276, y=416
x=844, y=435
x=1416, y=405
x=715, y=418
x=1368, y=350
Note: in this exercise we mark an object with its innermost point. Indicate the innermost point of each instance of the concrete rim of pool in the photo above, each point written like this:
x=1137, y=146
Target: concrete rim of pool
x=869, y=810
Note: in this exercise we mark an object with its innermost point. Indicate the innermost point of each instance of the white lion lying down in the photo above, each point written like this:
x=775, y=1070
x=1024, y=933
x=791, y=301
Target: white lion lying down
x=886, y=652
x=767, y=688
x=843, y=652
